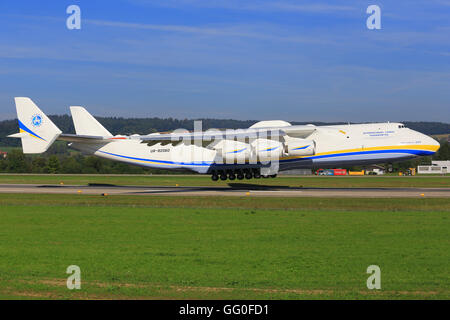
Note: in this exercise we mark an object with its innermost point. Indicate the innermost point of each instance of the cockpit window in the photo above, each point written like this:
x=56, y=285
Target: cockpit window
x=401, y=126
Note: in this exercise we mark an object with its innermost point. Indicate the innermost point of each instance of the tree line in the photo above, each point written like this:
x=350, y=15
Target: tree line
x=128, y=126
x=60, y=159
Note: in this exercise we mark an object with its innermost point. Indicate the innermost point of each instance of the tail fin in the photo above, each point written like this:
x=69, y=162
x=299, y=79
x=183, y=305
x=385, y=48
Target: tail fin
x=37, y=131
x=86, y=124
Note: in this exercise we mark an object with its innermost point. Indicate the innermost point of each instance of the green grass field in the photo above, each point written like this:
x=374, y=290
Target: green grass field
x=204, y=180
x=159, y=247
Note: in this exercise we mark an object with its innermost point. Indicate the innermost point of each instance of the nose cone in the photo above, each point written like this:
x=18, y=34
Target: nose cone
x=432, y=144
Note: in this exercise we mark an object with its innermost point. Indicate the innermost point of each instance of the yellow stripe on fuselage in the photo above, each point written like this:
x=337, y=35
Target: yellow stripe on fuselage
x=337, y=152
x=432, y=148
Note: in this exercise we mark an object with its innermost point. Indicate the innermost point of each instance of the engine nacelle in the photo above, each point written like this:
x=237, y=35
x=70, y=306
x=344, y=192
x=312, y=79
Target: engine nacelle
x=241, y=152
x=266, y=150
x=299, y=147
x=233, y=151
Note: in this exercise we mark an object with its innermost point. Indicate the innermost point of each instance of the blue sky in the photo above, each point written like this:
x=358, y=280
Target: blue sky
x=289, y=60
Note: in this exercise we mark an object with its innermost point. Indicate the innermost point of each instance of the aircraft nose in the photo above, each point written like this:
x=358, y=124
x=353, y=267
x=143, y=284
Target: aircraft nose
x=434, y=144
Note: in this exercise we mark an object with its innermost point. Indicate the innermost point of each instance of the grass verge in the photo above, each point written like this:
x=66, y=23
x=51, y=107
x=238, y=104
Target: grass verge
x=134, y=247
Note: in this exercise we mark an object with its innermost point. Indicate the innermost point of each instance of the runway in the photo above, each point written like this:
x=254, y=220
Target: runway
x=233, y=189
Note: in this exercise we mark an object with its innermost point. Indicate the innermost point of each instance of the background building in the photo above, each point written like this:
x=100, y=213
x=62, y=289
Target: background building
x=436, y=167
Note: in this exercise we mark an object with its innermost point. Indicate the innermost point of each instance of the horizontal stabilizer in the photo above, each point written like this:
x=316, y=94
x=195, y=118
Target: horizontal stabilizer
x=18, y=135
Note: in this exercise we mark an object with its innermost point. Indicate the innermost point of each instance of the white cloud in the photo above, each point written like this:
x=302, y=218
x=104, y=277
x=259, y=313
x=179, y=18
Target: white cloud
x=315, y=7
x=286, y=6
x=230, y=31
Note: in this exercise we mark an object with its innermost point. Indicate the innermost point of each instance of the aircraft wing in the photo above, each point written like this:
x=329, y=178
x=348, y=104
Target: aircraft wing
x=214, y=135
x=204, y=136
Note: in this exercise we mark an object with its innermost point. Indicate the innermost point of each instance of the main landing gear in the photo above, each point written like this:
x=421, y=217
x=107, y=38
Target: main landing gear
x=239, y=174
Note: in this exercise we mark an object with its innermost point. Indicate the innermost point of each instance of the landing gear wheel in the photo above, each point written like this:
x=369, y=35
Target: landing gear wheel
x=232, y=177
x=214, y=177
x=273, y=175
x=240, y=176
x=223, y=177
x=248, y=175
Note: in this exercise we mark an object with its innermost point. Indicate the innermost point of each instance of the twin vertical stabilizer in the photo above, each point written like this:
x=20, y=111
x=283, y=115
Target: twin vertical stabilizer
x=86, y=124
x=37, y=131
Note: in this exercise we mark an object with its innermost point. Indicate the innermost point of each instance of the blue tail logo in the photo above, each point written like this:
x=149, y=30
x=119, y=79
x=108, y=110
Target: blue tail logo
x=36, y=120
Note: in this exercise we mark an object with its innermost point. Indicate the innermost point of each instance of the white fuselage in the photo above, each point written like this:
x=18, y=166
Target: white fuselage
x=335, y=146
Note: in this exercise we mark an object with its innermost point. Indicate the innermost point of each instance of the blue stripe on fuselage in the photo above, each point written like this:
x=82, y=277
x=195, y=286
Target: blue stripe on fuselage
x=408, y=151
x=203, y=163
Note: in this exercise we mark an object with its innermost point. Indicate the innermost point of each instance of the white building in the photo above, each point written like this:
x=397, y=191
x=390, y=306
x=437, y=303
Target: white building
x=438, y=167
x=375, y=169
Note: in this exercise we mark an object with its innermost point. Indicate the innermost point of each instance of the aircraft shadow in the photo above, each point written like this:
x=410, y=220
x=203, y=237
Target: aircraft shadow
x=231, y=187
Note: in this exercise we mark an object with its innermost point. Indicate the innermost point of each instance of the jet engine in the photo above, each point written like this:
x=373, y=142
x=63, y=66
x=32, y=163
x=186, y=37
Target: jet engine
x=299, y=147
x=266, y=149
x=233, y=151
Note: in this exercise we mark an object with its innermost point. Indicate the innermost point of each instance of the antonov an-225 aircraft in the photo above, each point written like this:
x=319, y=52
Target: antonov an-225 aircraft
x=262, y=150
